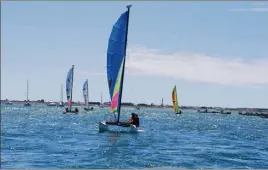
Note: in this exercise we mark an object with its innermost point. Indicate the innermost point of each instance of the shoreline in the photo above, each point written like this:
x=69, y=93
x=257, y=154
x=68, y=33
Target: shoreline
x=139, y=106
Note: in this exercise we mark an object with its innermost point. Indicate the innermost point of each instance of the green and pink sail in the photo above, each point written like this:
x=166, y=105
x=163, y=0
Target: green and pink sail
x=115, y=101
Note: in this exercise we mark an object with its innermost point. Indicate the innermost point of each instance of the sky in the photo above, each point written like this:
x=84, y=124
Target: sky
x=216, y=53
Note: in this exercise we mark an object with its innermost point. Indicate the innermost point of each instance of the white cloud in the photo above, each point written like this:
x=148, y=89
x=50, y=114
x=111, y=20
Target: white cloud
x=259, y=3
x=197, y=67
x=256, y=9
x=142, y=61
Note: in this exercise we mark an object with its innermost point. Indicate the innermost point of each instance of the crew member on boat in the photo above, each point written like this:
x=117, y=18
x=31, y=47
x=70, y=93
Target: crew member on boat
x=134, y=120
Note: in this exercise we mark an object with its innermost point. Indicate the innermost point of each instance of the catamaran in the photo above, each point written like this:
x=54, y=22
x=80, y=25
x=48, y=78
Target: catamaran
x=175, y=101
x=116, y=55
x=85, y=94
x=69, y=91
x=61, y=104
x=27, y=98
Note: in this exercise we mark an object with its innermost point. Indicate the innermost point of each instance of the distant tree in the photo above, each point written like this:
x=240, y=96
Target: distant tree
x=42, y=100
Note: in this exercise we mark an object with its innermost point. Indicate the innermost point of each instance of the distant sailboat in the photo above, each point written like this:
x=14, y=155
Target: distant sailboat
x=69, y=91
x=27, y=98
x=101, y=105
x=85, y=94
x=162, y=102
x=175, y=101
x=116, y=55
x=61, y=104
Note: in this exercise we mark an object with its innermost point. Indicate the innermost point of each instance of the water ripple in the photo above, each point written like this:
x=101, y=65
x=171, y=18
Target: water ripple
x=43, y=137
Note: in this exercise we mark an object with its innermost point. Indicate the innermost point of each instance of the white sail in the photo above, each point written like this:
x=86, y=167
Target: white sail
x=85, y=93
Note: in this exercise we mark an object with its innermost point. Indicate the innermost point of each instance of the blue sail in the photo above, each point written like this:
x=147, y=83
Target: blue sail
x=69, y=84
x=116, y=50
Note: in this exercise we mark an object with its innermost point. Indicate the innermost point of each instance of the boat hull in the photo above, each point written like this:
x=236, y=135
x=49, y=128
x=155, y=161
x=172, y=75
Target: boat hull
x=88, y=109
x=70, y=112
x=51, y=105
x=27, y=104
x=104, y=127
x=226, y=113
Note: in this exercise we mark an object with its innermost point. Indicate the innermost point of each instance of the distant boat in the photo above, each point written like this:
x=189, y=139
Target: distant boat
x=116, y=55
x=27, y=104
x=175, y=101
x=101, y=105
x=264, y=115
x=162, y=102
x=8, y=102
x=85, y=94
x=226, y=112
x=51, y=103
x=203, y=110
x=69, y=91
x=61, y=104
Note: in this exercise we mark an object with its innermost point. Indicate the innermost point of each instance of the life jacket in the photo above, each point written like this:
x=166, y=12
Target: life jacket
x=136, y=121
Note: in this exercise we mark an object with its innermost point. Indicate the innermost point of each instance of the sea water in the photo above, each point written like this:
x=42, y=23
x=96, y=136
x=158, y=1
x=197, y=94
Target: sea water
x=43, y=137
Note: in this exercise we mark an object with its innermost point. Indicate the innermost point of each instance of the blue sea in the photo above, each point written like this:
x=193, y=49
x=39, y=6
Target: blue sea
x=44, y=137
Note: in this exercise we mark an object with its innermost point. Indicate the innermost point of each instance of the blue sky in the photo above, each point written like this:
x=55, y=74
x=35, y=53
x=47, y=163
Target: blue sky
x=215, y=52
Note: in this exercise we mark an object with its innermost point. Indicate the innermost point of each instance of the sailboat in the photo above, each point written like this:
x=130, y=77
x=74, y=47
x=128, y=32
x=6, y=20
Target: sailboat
x=27, y=98
x=101, y=105
x=69, y=91
x=61, y=104
x=162, y=102
x=85, y=94
x=175, y=101
x=116, y=55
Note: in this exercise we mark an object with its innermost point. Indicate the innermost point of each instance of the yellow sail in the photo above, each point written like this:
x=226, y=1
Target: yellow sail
x=175, y=100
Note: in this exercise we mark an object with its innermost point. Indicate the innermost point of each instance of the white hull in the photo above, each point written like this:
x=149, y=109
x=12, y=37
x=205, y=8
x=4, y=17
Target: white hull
x=52, y=104
x=104, y=127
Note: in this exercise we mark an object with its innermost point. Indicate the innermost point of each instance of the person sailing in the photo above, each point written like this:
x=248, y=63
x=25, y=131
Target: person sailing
x=134, y=120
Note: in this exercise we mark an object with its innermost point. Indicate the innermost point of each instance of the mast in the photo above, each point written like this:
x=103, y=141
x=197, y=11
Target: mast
x=61, y=98
x=101, y=98
x=123, y=71
x=72, y=87
x=27, y=90
x=87, y=96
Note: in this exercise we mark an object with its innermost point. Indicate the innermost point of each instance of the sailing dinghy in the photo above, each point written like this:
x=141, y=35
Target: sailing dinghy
x=69, y=91
x=175, y=101
x=116, y=54
x=85, y=94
